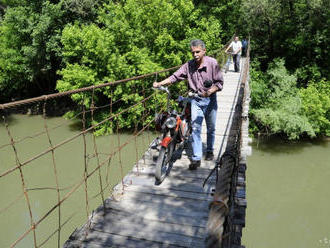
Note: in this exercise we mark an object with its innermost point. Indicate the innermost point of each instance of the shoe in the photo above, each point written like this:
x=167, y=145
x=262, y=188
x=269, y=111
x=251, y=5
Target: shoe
x=209, y=156
x=194, y=164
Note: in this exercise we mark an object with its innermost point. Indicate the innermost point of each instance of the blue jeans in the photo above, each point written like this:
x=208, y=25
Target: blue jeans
x=200, y=108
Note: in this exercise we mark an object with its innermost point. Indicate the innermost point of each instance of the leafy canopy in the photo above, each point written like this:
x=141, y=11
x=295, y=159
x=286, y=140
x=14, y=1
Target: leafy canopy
x=129, y=39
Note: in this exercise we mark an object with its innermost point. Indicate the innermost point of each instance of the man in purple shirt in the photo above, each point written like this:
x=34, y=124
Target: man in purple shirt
x=205, y=78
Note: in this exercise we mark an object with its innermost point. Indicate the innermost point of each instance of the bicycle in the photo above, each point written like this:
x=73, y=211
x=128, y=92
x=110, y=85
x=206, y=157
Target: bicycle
x=176, y=129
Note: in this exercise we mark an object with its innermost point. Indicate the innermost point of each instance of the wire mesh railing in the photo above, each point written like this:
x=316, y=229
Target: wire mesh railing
x=44, y=188
x=96, y=162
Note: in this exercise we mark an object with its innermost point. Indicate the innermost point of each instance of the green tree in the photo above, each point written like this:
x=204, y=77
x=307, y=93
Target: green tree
x=276, y=105
x=30, y=48
x=131, y=39
x=316, y=106
x=228, y=12
x=297, y=30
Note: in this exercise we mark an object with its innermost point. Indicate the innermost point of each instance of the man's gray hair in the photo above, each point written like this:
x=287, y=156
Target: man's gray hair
x=197, y=43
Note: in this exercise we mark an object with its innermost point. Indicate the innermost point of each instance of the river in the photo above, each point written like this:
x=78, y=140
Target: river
x=288, y=195
x=287, y=186
x=41, y=183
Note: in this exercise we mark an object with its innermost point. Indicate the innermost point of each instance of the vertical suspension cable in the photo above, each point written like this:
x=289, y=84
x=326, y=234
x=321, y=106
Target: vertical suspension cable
x=111, y=146
x=96, y=152
x=18, y=163
x=83, y=120
x=136, y=148
x=135, y=141
x=119, y=158
x=143, y=114
x=144, y=110
x=56, y=176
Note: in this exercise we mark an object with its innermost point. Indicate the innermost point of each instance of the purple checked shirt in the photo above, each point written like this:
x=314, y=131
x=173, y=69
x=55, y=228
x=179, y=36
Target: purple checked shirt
x=209, y=70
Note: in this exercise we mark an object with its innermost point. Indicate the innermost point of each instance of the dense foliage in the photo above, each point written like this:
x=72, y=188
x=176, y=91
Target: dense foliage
x=278, y=106
x=130, y=39
x=57, y=45
x=290, y=96
x=30, y=44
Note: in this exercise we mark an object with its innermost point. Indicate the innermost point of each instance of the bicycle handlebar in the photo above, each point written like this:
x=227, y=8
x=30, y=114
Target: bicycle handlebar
x=192, y=94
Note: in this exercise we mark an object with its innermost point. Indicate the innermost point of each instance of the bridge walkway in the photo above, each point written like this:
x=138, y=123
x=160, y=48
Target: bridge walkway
x=172, y=214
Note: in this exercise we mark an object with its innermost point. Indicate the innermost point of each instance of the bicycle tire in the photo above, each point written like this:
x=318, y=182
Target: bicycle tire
x=164, y=162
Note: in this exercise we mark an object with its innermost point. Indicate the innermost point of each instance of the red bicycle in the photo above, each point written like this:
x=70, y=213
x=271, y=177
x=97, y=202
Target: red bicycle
x=176, y=129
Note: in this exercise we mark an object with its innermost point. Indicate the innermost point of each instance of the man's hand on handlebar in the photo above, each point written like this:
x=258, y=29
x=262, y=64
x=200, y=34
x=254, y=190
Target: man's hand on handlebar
x=162, y=83
x=210, y=91
x=156, y=85
x=205, y=94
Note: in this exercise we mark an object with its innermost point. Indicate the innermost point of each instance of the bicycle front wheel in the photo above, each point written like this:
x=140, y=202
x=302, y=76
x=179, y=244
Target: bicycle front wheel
x=164, y=162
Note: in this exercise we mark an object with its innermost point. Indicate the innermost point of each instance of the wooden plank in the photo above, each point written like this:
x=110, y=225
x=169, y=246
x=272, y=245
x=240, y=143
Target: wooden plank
x=182, y=196
x=155, y=215
x=177, y=169
x=146, y=217
x=138, y=227
x=189, y=184
x=102, y=240
x=158, y=237
x=166, y=192
x=163, y=208
x=172, y=201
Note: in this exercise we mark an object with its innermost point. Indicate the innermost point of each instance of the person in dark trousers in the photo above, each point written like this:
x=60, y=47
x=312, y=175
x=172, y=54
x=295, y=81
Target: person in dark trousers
x=236, y=46
x=205, y=78
x=244, y=47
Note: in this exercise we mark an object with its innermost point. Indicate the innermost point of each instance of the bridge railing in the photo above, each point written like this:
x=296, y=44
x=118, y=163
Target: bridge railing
x=227, y=210
x=91, y=179
x=96, y=163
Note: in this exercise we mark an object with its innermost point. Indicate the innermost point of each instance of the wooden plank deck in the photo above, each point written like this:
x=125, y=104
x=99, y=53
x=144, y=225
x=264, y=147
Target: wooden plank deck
x=172, y=214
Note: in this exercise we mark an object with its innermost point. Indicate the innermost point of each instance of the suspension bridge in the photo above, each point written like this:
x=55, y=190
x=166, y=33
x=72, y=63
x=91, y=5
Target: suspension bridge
x=202, y=208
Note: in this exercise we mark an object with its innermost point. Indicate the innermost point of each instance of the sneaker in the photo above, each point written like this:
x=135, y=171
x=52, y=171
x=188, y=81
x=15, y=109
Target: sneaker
x=194, y=164
x=209, y=156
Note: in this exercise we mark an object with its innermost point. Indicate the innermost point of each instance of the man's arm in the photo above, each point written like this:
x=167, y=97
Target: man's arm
x=218, y=82
x=217, y=79
x=179, y=75
x=228, y=47
x=162, y=83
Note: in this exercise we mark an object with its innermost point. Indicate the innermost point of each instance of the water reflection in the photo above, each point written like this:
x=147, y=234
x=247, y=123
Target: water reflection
x=277, y=145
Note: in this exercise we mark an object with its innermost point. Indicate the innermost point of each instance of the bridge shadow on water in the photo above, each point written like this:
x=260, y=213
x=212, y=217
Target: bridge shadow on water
x=277, y=145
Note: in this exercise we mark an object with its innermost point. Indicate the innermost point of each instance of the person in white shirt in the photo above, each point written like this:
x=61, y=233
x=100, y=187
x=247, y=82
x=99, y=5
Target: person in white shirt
x=236, y=46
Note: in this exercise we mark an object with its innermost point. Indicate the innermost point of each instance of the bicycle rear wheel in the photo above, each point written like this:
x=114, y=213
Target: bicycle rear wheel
x=164, y=162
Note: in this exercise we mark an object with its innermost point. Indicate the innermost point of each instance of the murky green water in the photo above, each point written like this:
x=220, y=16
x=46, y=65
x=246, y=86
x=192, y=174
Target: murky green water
x=40, y=180
x=288, y=195
x=287, y=186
